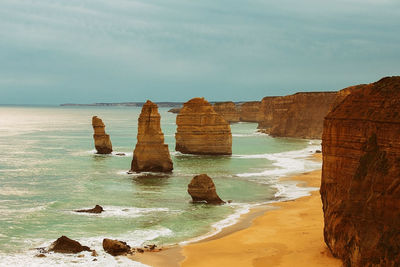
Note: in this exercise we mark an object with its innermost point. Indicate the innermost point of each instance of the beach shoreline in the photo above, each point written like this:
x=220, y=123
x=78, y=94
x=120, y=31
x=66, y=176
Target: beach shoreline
x=294, y=244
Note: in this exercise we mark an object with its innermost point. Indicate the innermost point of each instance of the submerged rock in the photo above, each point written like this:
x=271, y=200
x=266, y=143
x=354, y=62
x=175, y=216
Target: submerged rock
x=115, y=247
x=202, y=188
x=96, y=209
x=360, y=186
x=67, y=245
x=201, y=130
x=151, y=153
x=102, y=140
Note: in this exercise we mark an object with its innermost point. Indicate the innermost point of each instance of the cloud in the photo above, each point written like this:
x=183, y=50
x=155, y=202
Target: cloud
x=176, y=48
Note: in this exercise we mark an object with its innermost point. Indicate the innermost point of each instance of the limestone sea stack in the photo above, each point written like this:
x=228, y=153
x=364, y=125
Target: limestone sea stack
x=228, y=110
x=360, y=186
x=201, y=130
x=202, y=188
x=151, y=154
x=102, y=140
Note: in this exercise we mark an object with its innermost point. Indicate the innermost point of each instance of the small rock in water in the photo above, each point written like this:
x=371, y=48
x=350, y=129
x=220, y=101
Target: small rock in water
x=96, y=209
x=81, y=256
x=67, y=245
x=94, y=253
x=139, y=250
x=318, y=151
x=115, y=247
x=40, y=256
x=120, y=154
x=202, y=188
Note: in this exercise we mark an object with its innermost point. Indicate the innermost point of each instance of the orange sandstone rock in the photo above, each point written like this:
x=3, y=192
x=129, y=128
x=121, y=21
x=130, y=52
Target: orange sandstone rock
x=202, y=188
x=151, y=154
x=360, y=187
x=228, y=110
x=300, y=115
x=102, y=140
x=250, y=111
x=201, y=130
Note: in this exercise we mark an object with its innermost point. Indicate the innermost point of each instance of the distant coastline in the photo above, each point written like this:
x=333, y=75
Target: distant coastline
x=136, y=104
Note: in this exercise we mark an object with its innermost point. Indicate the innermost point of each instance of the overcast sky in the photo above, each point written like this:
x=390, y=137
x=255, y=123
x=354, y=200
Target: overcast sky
x=85, y=51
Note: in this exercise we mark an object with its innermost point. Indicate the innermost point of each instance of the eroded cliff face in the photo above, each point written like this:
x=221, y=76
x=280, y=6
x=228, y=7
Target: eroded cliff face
x=360, y=187
x=266, y=110
x=102, y=140
x=250, y=111
x=201, y=130
x=300, y=115
x=228, y=110
x=151, y=154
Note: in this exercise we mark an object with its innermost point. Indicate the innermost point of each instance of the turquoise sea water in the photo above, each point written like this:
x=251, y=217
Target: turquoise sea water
x=48, y=169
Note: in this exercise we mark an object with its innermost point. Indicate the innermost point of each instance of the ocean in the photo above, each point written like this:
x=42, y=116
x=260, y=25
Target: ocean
x=48, y=169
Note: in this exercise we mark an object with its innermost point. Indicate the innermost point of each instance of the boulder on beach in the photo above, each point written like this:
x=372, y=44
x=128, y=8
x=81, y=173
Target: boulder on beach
x=102, y=141
x=67, y=245
x=151, y=153
x=115, y=247
x=202, y=188
x=96, y=209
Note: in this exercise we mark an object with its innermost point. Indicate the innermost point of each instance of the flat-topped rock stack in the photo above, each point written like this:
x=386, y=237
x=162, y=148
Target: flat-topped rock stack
x=360, y=187
x=228, y=110
x=151, y=154
x=102, y=140
x=201, y=130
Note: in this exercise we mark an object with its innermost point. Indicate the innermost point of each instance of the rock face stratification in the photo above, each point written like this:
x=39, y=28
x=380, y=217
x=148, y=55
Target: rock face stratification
x=202, y=188
x=251, y=111
x=151, y=154
x=201, y=130
x=300, y=115
x=102, y=140
x=360, y=187
x=228, y=110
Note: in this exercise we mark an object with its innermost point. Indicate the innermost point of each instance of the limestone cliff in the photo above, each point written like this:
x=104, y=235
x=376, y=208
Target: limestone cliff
x=228, y=110
x=300, y=115
x=201, y=130
x=360, y=187
x=250, y=111
x=102, y=140
x=151, y=154
x=266, y=111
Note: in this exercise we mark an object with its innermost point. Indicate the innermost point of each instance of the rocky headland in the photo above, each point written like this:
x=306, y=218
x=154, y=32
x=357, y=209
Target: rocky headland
x=201, y=130
x=151, y=153
x=102, y=141
x=360, y=187
x=300, y=115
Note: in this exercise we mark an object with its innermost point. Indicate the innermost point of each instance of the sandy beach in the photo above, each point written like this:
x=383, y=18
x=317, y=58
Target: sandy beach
x=288, y=234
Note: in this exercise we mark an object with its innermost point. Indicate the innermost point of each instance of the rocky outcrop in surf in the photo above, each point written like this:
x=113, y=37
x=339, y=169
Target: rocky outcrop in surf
x=151, y=153
x=102, y=140
x=67, y=245
x=202, y=189
x=228, y=110
x=115, y=247
x=300, y=115
x=201, y=130
x=250, y=111
x=360, y=187
x=96, y=209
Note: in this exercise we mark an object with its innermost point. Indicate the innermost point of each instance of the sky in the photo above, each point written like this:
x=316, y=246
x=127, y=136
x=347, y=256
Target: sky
x=87, y=51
